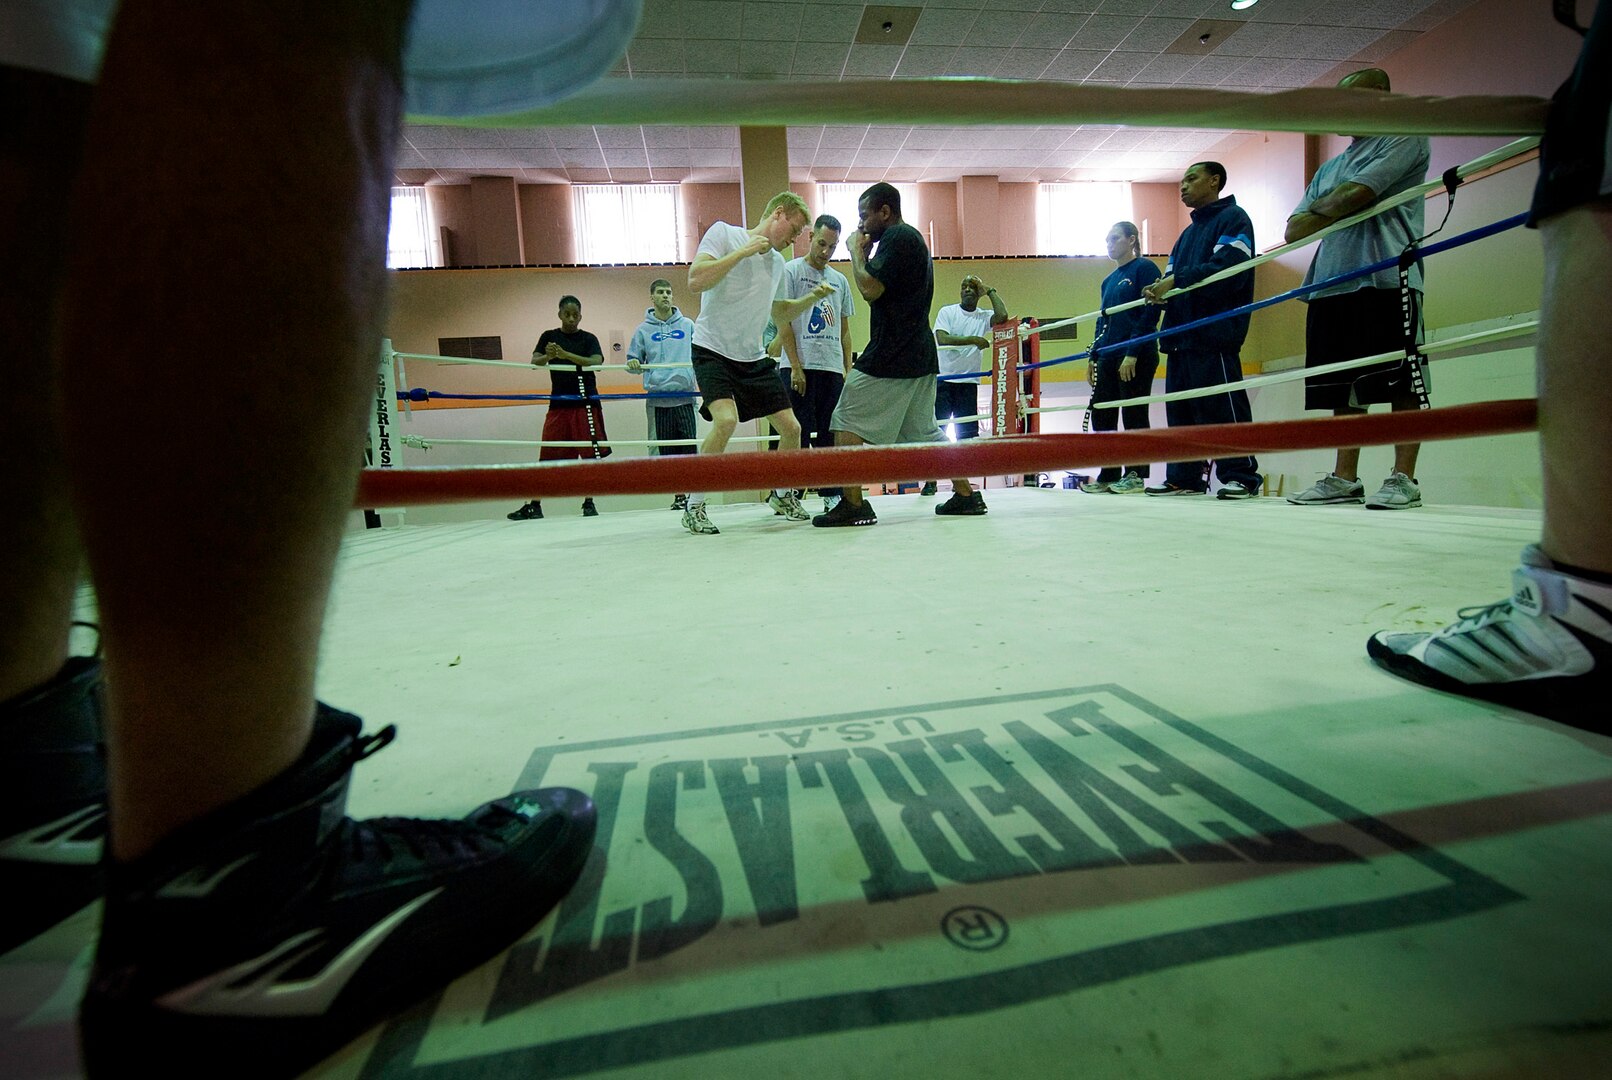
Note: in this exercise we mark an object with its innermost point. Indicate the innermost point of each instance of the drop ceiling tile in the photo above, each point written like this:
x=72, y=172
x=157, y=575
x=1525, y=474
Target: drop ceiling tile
x=830, y=22
x=588, y=175
x=1153, y=35
x=771, y=22
x=977, y=62
x=617, y=137
x=819, y=58
x=765, y=57
x=432, y=137
x=807, y=136
x=673, y=157
x=992, y=30
x=661, y=19
x=654, y=56
x=1385, y=46
x=872, y=61
x=566, y=137
x=1167, y=68
x=843, y=136
x=1072, y=65
x=1126, y=7
x=1051, y=30
x=710, y=57
x=626, y=159
x=711, y=18
x=1254, y=39
x=1024, y=63
x=1215, y=68
x=925, y=60
x=928, y=138
x=886, y=137
x=670, y=135
x=833, y=156
x=1190, y=9
x=1119, y=67
x=1105, y=31
x=1047, y=138
x=582, y=159
x=713, y=136
x=525, y=138
x=943, y=26
x=1323, y=42
x=871, y=158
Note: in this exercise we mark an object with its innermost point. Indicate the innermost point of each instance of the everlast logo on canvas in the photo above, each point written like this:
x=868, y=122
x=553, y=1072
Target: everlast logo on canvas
x=769, y=880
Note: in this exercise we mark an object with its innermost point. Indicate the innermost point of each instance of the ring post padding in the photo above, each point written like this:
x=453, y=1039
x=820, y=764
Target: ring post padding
x=1004, y=380
x=1030, y=352
x=382, y=445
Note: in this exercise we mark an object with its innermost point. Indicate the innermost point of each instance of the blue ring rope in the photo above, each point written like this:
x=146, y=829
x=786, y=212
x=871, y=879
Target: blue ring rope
x=1387, y=264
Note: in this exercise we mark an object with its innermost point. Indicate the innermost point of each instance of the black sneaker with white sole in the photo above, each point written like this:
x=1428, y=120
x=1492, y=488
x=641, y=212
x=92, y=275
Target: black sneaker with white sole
x=1547, y=649
x=970, y=505
x=260, y=939
x=844, y=514
x=52, y=801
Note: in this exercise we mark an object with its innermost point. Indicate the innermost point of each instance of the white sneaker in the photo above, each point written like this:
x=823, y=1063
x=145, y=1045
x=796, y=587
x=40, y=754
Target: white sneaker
x=1546, y=650
x=1399, y=492
x=695, y=521
x=1330, y=489
x=789, y=506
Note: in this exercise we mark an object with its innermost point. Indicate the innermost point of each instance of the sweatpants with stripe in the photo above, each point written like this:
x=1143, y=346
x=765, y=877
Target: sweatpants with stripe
x=1187, y=371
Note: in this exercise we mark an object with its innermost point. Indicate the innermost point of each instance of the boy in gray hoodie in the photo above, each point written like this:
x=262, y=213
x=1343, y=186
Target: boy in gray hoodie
x=666, y=337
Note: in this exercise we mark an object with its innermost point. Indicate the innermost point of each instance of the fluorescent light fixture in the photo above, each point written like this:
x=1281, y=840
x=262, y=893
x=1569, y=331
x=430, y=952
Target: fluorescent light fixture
x=1240, y=5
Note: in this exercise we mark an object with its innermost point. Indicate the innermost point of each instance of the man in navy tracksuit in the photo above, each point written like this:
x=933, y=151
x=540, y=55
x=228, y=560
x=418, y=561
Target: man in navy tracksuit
x=1220, y=235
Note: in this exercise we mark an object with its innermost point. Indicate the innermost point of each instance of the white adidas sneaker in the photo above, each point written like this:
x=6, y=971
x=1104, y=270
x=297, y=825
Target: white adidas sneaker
x=1545, y=650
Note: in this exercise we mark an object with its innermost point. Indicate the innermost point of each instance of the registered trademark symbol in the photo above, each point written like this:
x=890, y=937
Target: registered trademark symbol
x=976, y=929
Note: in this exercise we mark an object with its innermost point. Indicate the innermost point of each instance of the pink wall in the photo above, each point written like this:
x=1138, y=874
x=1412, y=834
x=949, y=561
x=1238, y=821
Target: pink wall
x=548, y=227
x=1493, y=47
x=979, y=216
x=937, y=203
x=496, y=212
x=703, y=206
x=1016, y=217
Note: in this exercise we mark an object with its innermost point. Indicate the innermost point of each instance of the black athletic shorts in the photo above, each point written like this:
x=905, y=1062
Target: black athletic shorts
x=753, y=387
x=1351, y=325
x=1575, y=162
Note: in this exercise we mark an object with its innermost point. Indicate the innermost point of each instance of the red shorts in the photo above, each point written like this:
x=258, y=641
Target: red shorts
x=573, y=423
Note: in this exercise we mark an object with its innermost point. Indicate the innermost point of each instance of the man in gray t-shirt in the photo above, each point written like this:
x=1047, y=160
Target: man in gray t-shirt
x=818, y=341
x=1363, y=317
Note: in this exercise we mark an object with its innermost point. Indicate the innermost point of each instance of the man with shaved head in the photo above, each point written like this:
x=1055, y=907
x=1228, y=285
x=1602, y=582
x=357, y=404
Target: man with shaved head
x=1368, y=315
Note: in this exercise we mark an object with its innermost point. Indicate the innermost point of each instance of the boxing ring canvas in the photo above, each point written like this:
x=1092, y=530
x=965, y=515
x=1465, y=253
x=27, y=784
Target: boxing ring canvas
x=1090, y=786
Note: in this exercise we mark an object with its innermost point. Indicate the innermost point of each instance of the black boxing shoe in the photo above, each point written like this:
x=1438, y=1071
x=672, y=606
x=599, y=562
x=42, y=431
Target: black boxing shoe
x=265, y=936
x=52, y=801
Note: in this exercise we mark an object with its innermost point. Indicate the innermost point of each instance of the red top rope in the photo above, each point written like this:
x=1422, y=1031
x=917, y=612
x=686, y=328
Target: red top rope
x=864, y=464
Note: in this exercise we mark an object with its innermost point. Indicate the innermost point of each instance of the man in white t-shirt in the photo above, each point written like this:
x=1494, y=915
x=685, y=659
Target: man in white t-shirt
x=740, y=276
x=963, y=333
x=818, y=342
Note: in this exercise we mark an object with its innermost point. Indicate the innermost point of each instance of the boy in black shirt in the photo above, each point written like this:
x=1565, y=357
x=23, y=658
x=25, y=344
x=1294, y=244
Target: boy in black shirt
x=574, y=412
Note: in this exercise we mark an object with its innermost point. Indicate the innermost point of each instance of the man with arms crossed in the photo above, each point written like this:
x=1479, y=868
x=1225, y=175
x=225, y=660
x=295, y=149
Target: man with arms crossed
x=890, y=394
x=741, y=274
x=1362, y=317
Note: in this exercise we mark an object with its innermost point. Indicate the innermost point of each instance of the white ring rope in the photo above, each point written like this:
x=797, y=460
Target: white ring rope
x=1495, y=157
x=1501, y=333
x=954, y=102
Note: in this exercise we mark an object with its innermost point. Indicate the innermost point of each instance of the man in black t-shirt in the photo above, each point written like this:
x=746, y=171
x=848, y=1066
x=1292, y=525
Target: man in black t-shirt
x=889, y=396
x=574, y=413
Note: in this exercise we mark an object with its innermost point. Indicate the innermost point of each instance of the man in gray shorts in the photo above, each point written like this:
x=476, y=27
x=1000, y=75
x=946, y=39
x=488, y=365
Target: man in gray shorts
x=889, y=396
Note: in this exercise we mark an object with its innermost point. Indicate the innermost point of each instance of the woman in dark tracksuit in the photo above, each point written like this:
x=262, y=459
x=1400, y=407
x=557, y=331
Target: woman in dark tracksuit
x=1123, y=373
